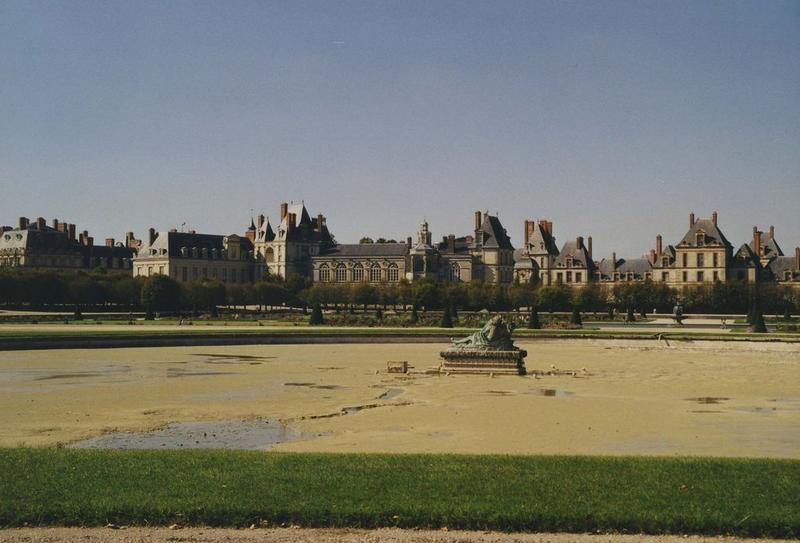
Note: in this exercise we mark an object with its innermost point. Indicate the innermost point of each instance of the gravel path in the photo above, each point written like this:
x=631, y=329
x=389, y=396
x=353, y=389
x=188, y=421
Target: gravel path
x=288, y=535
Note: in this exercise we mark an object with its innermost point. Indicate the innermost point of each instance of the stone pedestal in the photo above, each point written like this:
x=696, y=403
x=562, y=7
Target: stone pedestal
x=483, y=362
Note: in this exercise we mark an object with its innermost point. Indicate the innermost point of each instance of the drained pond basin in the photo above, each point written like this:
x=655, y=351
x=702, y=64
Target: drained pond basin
x=581, y=397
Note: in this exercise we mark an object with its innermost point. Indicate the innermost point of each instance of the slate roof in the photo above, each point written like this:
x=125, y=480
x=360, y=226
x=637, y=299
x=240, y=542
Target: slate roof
x=35, y=240
x=174, y=242
x=494, y=235
x=462, y=245
x=541, y=241
x=580, y=256
x=746, y=257
x=366, y=250
x=606, y=267
x=769, y=248
x=305, y=228
x=781, y=264
x=713, y=235
x=638, y=266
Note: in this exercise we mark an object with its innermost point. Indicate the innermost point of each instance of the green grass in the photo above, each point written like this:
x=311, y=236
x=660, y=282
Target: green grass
x=746, y=497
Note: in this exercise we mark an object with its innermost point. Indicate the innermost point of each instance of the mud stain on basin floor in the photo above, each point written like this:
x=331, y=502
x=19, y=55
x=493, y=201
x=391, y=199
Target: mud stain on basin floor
x=708, y=400
x=245, y=434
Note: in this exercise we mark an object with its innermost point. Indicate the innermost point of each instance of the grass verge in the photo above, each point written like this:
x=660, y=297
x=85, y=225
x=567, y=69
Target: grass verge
x=746, y=497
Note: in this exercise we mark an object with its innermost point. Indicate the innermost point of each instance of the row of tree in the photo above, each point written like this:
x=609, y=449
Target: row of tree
x=40, y=289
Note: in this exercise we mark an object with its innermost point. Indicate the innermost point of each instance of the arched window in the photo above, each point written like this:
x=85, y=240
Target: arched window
x=324, y=272
x=394, y=274
x=341, y=273
x=455, y=272
x=358, y=273
x=375, y=272
x=269, y=255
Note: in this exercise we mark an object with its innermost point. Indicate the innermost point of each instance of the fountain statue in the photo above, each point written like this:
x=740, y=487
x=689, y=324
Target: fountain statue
x=489, y=350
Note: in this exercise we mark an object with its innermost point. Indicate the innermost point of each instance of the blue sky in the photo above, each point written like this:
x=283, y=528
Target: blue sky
x=612, y=119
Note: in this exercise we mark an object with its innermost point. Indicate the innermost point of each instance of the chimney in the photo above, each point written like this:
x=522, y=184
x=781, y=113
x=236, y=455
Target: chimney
x=89, y=241
x=319, y=222
x=659, y=247
x=579, y=242
x=23, y=223
x=71, y=231
x=451, y=243
x=589, y=239
x=757, y=242
x=292, y=222
x=652, y=256
x=771, y=232
x=691, y=220
x=797, y=257
x=527, y=234
x=714, y=218
x=40, y=224
x=129, y=239
x=151, y=235
x=109, y=242
x=260, y=221
x=408, y=242
x=478, y=220
x=284, y=210
x=55, y=225
x=614, y=261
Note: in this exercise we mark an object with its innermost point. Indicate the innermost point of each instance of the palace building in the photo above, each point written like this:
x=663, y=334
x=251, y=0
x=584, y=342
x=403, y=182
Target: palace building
x=300, y=244
x=35, y=245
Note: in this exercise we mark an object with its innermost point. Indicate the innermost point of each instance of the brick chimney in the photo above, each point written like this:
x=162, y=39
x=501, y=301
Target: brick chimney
x=260, y=221
x=451, y=243
x=771, y=232
x=797, y=257
x=129, y=240
x=613, y=262
x=579, y=242
x=757, y=242
x=408, y=242
x=40, y=224
x=659, y=246
x=691, y=220
x=151, y=235
x=714, y=218
x=89, y=241
x=292, y=222
x=284, y=210
x=109, y=242
x=23, y=223
x=589, y=248
x=71, y=231
x=478, y=220
x=652, y=256
x=55, y=225
x=527, y=233
x=320, y=222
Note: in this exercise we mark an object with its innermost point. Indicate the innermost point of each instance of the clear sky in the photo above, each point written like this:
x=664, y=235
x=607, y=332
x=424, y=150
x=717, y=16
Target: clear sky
x=612, y=119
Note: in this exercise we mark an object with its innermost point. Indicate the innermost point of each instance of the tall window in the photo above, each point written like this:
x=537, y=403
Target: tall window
x=375, y=272
x=683, y=260
x=394, y=273
x=341, y=273
x=715, y=259
x=324, y=273
x=701, y=239
x=269, y=254
x=455, y=272
x=700, y=276
x=700, y=260
x=358, y=273
x=578, y=277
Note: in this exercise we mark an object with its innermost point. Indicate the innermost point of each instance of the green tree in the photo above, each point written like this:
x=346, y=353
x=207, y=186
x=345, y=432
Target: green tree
x=316, y=318
x=159, y=294
x=365, y=294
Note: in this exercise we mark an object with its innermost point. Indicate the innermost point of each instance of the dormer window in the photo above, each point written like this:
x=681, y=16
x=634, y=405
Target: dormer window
x=700, y=238
x=184, y=251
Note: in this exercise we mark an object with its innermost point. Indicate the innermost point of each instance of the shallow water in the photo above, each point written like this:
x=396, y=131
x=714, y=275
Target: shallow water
x=222, y=434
